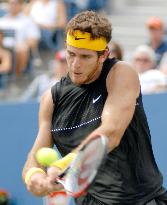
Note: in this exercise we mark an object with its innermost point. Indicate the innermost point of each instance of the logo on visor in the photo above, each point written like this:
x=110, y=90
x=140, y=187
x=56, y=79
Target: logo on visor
x=76, y=38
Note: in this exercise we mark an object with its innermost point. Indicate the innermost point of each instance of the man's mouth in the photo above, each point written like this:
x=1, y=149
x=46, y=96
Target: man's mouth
x=77, y=74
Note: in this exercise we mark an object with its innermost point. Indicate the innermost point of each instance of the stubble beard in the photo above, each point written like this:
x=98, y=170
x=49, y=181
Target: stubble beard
x=92, y=76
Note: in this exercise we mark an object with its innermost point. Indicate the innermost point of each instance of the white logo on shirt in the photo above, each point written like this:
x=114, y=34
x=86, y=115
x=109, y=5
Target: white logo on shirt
x=137, y=103
x=96, y=99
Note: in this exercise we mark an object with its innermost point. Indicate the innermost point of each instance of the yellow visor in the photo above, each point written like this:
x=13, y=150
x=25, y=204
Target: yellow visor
x=83, y=40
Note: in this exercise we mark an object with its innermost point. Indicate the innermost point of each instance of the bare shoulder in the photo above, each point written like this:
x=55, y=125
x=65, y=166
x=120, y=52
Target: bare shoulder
x=46, y=102
x=46, y=97
x=124, y=68
x=123, y=75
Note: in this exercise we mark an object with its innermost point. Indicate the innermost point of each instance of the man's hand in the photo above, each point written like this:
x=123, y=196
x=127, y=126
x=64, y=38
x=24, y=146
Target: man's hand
x=41, y=184
x=52, y=175
x=37, y=184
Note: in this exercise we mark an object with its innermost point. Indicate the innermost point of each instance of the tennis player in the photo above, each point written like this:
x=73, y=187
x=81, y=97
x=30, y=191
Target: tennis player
x=98, y=96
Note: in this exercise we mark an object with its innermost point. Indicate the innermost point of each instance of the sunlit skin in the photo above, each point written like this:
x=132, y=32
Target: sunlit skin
x=84, y=65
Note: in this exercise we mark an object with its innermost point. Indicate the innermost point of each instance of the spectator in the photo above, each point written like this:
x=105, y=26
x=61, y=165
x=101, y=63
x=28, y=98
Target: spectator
x=21, y=34
x=27, y=7
x=115, y=50
x=50, y=16
x=75, y=6
x=5, y=62
x=157, y=37
x=152, y=80
x=43, y=82
x=72, y=7
x=163, y=64
x=96, y=5
x=143, y=58
x=3, y=8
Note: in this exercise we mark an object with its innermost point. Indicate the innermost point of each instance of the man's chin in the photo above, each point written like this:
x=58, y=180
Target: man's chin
x=76, y=82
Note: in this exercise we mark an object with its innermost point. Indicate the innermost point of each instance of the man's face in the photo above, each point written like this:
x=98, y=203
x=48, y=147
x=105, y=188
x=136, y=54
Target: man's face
x=84, y=65
x=142, y=62
x=14, y=7
x=156, y=35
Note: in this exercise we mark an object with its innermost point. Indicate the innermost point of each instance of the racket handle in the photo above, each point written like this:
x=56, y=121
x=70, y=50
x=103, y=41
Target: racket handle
x=65, y=161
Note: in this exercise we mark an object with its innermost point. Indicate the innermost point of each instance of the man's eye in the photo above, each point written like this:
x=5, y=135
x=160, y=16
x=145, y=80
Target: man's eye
x=71, y=54
x=86, y=57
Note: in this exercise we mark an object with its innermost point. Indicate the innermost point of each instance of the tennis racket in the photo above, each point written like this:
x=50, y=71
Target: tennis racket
x=83, y=169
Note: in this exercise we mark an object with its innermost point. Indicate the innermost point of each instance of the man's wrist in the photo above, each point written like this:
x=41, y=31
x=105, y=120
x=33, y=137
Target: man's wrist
x=32, y=171
x=65, y=161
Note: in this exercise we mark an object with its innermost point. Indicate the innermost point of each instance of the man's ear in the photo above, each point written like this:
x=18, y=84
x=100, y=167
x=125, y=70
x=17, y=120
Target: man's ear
x=65, y=44
x=105, y=55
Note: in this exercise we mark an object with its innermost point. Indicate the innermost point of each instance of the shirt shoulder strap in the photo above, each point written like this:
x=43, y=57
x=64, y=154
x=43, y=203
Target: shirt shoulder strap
x=55, y=91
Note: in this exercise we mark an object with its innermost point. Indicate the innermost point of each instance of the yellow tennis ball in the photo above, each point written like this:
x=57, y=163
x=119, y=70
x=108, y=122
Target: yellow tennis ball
x=46, y=156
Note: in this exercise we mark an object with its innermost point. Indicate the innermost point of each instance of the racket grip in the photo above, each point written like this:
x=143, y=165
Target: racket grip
x=65, y=161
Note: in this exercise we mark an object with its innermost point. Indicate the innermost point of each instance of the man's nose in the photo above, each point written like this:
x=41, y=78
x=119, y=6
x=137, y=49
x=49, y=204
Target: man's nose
x=76, y=62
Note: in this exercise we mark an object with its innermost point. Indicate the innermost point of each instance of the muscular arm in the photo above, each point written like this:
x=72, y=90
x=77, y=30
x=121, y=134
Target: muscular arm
x=44, y=136
x=123, y=89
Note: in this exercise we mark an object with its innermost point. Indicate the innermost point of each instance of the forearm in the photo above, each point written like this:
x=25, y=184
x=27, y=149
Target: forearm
x=112, y=127
x=43, y=140
x=31, y=162
x=115, y=124
x=113, y=134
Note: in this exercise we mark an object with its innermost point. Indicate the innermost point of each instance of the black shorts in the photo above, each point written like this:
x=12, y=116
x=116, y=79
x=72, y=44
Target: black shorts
x=156, y=202
x=90, y=200
x=161, y=200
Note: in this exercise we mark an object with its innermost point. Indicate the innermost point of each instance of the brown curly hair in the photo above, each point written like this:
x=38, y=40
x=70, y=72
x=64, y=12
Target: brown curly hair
x=91, y=22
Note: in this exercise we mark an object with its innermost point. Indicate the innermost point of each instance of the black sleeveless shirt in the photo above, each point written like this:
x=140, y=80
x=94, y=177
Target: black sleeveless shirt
x=130, y=174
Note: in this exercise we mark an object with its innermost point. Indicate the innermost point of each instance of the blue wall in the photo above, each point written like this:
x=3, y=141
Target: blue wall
x=19, y=125
x=156, y=110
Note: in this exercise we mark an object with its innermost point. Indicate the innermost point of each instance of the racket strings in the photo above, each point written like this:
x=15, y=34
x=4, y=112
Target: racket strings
x=85, y=166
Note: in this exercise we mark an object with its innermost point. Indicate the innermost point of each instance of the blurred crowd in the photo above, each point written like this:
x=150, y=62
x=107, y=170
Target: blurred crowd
x=32, y=36
x=31, y=33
